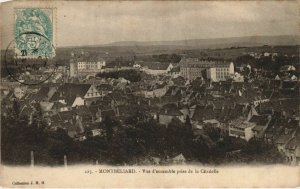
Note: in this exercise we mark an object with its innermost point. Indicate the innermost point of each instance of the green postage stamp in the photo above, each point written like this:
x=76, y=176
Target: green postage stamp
x=34, y=33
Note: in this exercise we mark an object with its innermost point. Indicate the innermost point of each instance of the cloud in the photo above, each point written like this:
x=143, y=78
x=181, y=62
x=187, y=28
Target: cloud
x=171, y=20
x=100, y=22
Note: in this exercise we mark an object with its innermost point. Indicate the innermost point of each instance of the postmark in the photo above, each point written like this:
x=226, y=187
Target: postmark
x=30, y=57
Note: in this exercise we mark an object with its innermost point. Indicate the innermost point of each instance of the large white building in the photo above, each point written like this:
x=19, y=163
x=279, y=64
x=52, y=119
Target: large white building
x=191, y=68
x=241, y=128
x=89, y=66
x=154, y=68
x=86, y=67
x=221, y=71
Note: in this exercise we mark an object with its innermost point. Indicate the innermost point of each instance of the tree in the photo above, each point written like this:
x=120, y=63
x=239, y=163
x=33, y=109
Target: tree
x=213, y=132
x=259, y=151
x=246, y=59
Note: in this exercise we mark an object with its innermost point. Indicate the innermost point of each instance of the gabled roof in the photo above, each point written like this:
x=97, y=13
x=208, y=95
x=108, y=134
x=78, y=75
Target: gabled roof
x=69, y=92
x=259, y=120
x=294, y=143
x=203, y=113
x=289, y=84
x=81, y=110
x=179, y=81
x=58, y=105
x=289, y=106
x=104, y=87
x=42, y=94
x=66, y=115
x=175, y=69
x=171, y=110
x=196, y=62
x=283, y=138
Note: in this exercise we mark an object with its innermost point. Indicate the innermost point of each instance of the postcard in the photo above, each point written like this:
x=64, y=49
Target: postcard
x=150, y=94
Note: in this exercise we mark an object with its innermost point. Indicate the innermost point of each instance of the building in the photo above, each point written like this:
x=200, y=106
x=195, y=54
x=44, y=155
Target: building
x=175, y=72
x=238, y=77
x=169, y=112
x=262, y=122
x=241, y=128
x=72, y=95
x=86, y=66
x=191, y=68
x=220, y=71
x=287, y=68
x=292, y=149
x=154, y=68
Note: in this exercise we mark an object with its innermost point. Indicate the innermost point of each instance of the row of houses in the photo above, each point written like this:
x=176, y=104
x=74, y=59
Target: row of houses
x=189, y=68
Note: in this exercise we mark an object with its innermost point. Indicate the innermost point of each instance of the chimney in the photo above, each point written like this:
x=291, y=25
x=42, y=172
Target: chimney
x=149, y=102
x=166, y=111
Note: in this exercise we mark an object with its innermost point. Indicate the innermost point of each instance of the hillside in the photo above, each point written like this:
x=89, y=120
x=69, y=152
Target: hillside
x=249, y=41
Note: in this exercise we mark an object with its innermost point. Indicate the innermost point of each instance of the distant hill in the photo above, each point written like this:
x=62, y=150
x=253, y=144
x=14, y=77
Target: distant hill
x=249, y=41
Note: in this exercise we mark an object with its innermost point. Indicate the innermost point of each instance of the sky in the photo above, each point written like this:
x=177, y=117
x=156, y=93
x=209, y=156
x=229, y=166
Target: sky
x=101, y=22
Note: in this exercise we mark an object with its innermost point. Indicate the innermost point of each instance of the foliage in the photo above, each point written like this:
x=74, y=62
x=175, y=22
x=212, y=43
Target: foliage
x=128, y=143
x=130, y=75
x=173, y=58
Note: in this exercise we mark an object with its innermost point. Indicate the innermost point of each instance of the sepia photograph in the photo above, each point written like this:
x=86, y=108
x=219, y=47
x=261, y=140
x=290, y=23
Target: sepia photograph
x=181, y=90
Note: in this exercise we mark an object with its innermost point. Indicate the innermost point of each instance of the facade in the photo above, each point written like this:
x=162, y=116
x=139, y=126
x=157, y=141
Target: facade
x=72, y=95
x=220, y=71
x=86, y=67
x=191, y=68
x=154, y=68
x=169, y=112
x=287, y=68
x=241, y=128
x=154, y=93
x=90, y=66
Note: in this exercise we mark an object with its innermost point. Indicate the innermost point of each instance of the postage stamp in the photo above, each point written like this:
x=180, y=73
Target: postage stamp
x=30, y=57
x=34, y=32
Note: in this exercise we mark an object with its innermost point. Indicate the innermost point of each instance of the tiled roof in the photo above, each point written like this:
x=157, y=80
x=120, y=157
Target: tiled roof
x=66, y=115
x=170, y=109
x=105, y=87
x=236, y=111
x=57, y=105
x=81, y=110
x=175, y=69
x=42, y=94
x=69, y=92
x=202, y=63
x=259, y=120
x=289, y=106
x=283, y=138
x=294, y=143
x=202, y=113
x=289, y=84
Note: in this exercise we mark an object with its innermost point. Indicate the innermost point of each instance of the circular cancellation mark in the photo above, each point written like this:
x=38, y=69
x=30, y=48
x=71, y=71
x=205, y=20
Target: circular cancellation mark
x=30, y=59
